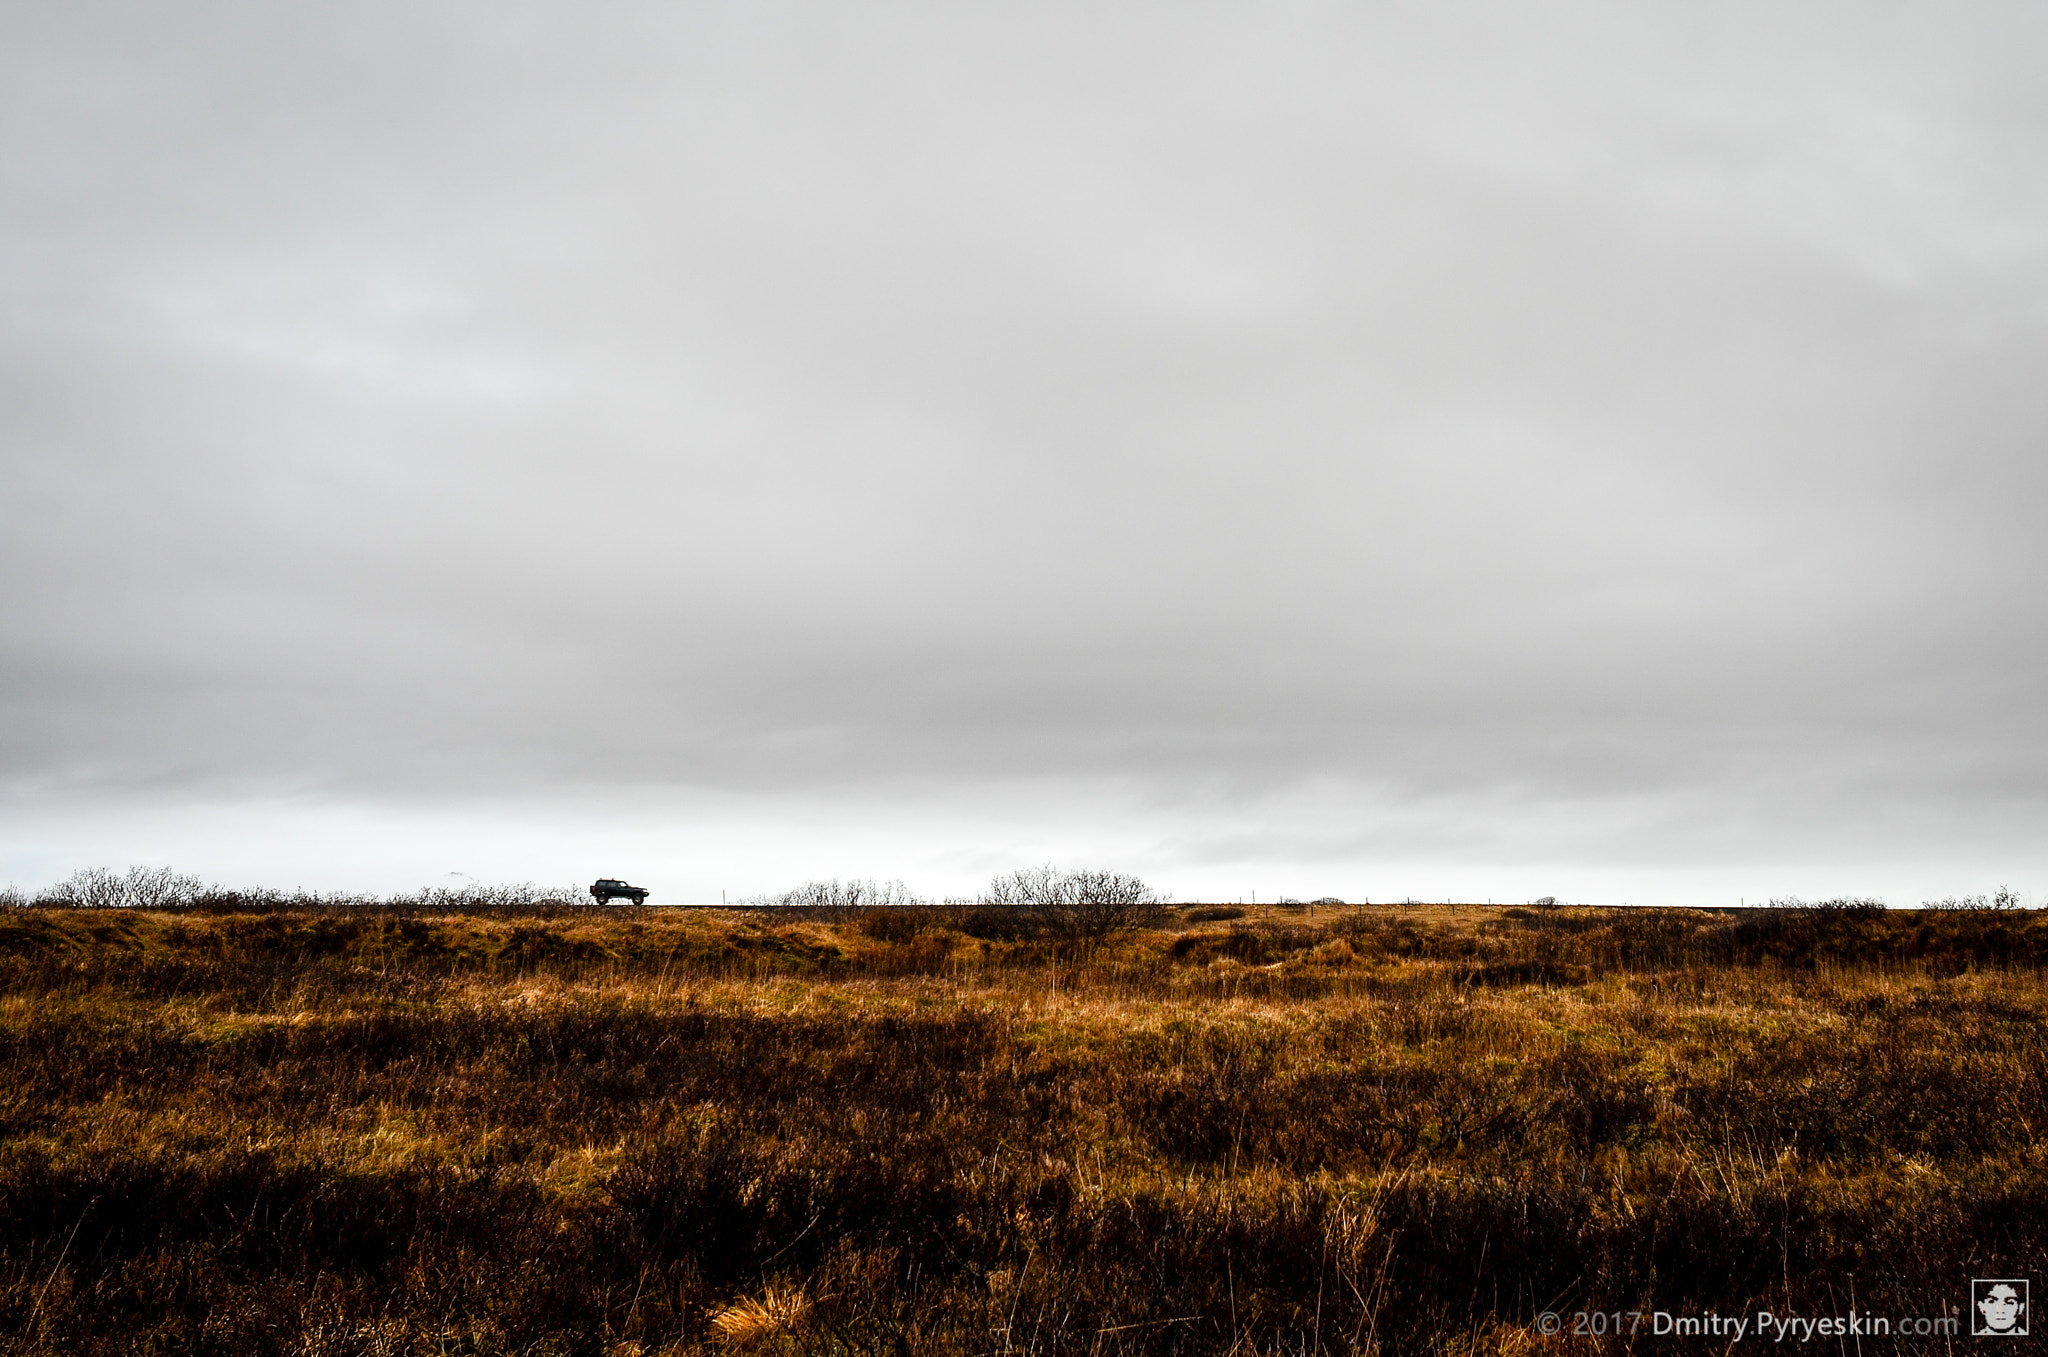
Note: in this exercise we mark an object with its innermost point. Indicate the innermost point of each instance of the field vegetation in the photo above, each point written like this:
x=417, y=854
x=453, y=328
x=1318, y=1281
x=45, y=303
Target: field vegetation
x=291, y=1127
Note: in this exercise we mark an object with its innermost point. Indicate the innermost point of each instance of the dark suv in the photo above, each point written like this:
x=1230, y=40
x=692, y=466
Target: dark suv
x=607, y=890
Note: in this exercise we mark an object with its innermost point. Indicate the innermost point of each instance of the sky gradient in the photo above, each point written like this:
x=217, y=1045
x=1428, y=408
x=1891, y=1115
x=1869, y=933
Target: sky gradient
x=1450, y=450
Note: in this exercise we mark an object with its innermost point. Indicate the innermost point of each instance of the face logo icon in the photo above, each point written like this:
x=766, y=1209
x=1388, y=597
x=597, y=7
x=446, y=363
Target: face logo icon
x=2001, y=1307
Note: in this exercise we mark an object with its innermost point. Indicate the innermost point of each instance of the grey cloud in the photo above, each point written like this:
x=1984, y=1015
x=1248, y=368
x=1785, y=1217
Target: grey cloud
x=1439, y=400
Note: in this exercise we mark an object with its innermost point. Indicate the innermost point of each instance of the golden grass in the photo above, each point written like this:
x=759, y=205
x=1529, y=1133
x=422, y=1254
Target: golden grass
x=773, y=1313
x=1357, y=1130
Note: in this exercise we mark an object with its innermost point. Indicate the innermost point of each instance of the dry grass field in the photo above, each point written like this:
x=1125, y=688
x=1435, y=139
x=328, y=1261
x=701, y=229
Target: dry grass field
x=1355, y=1130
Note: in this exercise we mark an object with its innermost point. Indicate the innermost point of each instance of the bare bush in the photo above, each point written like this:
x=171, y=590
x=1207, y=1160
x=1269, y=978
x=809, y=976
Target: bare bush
x=162, y=888
x=1076, y=905
x=837, y=896
x=137, y=888
x=476, y=895
x=1025, y=887
x=2002, y=902
x=86, y=888
x=267, y=899
x=1840, y=905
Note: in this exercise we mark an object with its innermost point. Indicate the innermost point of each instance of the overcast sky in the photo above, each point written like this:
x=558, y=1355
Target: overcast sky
x=1375, y=449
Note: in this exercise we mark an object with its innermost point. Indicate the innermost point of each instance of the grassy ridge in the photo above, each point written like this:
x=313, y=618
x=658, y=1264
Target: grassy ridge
x=1399, y=1130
